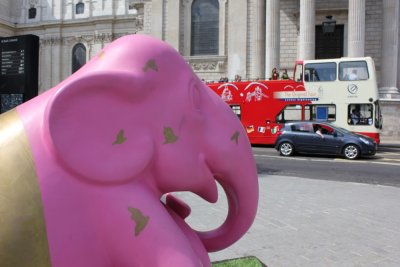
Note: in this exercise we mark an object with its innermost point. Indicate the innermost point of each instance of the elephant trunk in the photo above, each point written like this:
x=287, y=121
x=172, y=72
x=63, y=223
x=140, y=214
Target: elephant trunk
x=241, y=189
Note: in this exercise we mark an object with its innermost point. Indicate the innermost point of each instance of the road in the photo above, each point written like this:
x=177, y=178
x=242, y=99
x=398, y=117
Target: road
x=381, y=169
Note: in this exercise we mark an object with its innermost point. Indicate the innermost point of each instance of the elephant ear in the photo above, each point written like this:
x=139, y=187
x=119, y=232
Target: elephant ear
x=94, y=127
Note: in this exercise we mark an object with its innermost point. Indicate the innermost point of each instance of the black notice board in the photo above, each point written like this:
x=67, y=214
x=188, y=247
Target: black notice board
x=19, y=60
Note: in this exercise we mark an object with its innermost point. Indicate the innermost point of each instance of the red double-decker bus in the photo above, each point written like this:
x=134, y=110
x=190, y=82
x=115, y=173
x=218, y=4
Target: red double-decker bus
x=341, y=91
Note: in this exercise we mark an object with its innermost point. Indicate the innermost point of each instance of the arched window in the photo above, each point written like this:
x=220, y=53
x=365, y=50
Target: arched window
x=205, y=27
x=78, y=57
x=79, y=8
x=32, y=13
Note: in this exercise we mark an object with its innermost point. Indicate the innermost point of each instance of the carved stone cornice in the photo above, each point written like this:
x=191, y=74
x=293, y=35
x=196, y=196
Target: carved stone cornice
x=103, y=38
x=33, y=3
x=118, y=35
x=88, y=39
x=207, y=63
x=52, y=40
x=187, y=3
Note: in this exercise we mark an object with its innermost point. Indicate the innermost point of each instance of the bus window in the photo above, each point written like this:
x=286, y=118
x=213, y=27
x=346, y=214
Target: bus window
x=289, y=113
x=360, y=114
x=353, y=71
x=320, y=112
x=236, y=109
x=298, y=73
x=320, y=72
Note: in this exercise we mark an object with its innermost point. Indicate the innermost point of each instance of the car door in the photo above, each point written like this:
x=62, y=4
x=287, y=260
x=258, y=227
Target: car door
x=330, y=144
x=304, y=138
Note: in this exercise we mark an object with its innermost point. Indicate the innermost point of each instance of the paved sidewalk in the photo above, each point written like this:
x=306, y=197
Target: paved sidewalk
x=305, y=222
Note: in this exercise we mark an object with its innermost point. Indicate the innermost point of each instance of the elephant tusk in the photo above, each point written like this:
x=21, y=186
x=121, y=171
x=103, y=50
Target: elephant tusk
x=178, y=206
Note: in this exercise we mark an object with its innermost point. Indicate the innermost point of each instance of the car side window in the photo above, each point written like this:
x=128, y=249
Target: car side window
x=324, y=129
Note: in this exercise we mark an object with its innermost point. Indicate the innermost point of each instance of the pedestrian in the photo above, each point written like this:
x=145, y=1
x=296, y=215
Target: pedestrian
x=275, y=74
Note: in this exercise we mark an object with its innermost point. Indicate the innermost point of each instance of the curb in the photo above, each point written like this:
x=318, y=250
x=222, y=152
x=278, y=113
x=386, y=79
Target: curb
x=390, y=144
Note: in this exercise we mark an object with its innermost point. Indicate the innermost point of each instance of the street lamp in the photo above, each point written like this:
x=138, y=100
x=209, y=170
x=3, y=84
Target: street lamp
x=328, y=25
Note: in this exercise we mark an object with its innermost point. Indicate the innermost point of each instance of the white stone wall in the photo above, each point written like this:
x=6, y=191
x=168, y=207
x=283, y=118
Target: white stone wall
x=256, y=40
x=60, y=29
x=237, y=44
x=147, y=19
x=373, y=38
x=56, y=10
x=167, y=20
x=5, y=10
x=391, y=125
x=289, y=20
x=6, y=29
x=331, y=5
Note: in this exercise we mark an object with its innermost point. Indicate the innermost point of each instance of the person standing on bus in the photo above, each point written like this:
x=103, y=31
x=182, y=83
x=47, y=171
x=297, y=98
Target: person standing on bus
x=238, y=78
x=285, y=76
x=275, y=74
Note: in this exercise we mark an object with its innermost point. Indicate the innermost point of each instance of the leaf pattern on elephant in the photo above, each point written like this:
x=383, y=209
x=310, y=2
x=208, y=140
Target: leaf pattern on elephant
x=169, y=136
x=139, y=219
x=151, y=64
x=120, y=138
x=235, y=137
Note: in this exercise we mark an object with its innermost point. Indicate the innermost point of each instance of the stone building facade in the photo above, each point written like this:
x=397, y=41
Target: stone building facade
x=252, y=36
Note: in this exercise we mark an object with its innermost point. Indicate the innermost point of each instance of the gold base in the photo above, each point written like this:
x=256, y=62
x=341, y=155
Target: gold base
x=23, y=238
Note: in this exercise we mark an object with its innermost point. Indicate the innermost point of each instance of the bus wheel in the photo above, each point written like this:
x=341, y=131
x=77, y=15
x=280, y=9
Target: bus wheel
x=351, y=151
x=286, y=149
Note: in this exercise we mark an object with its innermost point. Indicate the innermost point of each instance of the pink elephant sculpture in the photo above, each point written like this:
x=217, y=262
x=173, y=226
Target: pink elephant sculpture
x=84, y=165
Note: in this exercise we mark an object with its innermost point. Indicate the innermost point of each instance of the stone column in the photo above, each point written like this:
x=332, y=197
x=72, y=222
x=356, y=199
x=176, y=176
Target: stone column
x=65, y=69
x=307, y=29
x=187, y=26
x=272, y=37
x=45, y=65
x=45, y=71
x=222, y=17
x=172, y=23
x=390, y=49
x=157, y=14
x=356, y=33
x=237, y=38
x=56, y=60
x=257, y=39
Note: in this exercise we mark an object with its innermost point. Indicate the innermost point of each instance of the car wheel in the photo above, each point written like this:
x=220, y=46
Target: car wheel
x=286, y=149
x=351, y=151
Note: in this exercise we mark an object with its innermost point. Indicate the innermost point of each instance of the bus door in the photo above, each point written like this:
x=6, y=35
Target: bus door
x=378, y=116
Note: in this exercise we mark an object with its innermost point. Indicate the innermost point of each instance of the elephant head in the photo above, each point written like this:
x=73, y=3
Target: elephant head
x=137, y=113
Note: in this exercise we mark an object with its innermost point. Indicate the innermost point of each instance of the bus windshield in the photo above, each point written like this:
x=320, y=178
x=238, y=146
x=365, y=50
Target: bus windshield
x=353, y=71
